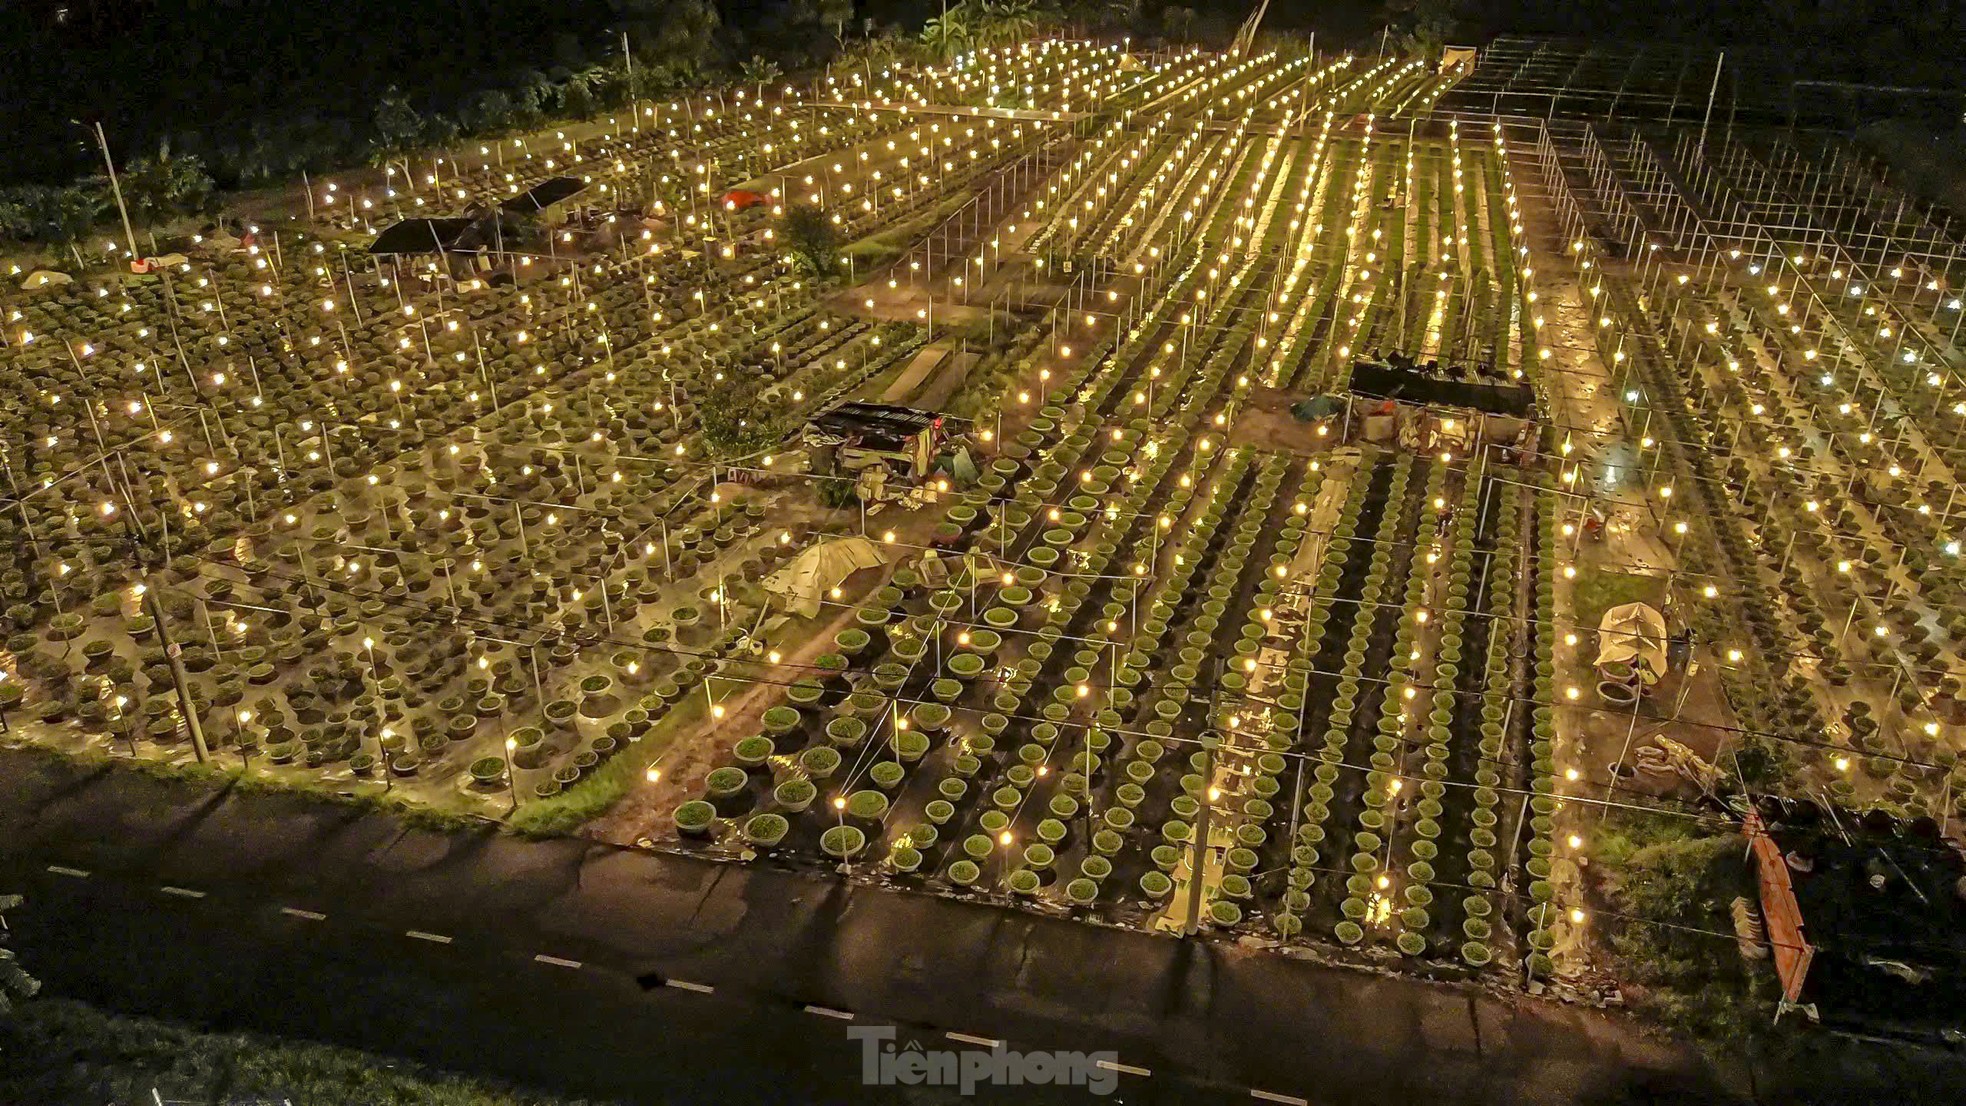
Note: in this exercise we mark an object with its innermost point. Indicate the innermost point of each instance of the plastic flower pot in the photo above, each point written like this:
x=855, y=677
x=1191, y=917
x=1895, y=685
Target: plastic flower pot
x=752, y=751
x=694, y=818
x=846, y=731
x=795, y=795
x=867, y=806
x=722, y=783
x=908, y=745
x=820, y=762
x=843, y=842
x=765, y=830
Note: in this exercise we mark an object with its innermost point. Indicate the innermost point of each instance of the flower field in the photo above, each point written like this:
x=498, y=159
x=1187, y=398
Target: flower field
x=1181, y=642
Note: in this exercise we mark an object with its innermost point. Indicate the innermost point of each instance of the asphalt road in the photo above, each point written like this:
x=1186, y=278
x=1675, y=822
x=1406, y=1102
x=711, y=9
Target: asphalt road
x=650, y=978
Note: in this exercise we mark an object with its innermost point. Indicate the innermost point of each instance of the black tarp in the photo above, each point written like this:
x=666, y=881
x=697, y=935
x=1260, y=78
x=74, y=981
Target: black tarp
x=1477, y=389
x=544, y=195
x=876, y=425
x=414, y=236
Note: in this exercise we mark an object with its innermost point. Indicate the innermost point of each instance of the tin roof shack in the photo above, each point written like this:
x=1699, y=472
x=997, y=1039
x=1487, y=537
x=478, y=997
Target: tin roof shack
x=865, y=434
x=1436, y=406
x=1880, y=898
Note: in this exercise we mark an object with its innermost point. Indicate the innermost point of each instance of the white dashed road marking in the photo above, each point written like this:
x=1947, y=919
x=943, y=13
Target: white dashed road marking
x=183, y=892
x=72, y=873
x=981, y=1042
x=297, y=912
x=686, y=985
x=1124, y=1069
x=433, y=938
x=829, y=1012
x=556, y=961
x=1272, y=1096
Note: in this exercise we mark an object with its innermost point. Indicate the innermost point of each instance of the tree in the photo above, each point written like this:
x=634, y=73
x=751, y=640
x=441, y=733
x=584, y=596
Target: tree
x=398, y=126
x=759, y=71
x=14, y=980
x=679, y=35
x=950, y=33
x=732, y=424
x=836, y=14
x=811, y=237
x=1178, y=21
x=1008, y=21
x=1422, y=25
x=165, y=185
x=63, y=216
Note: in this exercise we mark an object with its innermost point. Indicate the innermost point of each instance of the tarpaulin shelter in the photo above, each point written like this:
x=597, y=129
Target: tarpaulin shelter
x=1633, y=634
x=872, y=433
x=737, y=199
x=800, y=585
x=545, y=201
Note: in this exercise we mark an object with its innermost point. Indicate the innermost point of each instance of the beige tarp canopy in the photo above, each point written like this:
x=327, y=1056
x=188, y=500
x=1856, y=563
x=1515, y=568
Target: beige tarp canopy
x=801, y=585
x=1633, y=634
x=41, y=278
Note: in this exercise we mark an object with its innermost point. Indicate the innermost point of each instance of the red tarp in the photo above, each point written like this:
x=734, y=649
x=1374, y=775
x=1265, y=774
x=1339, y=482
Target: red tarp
x=737, y=199
x=1779, y=910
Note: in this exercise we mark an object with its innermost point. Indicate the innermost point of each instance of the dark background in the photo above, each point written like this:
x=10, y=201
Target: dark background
x=259, y=90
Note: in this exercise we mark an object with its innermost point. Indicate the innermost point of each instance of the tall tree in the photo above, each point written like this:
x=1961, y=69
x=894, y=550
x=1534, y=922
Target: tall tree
x=811, y=237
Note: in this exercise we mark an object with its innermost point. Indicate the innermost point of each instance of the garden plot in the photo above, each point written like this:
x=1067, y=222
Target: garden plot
x=501, y=545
